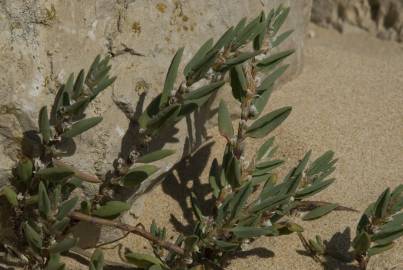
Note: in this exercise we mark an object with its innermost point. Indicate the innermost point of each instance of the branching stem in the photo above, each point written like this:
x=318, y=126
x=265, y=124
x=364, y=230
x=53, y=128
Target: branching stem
x=128, y=228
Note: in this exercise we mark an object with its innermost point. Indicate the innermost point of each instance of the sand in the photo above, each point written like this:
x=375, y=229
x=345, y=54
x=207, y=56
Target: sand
x=349, y=98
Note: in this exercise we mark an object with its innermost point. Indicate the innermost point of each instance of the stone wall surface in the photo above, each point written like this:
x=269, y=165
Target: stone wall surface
x=43, y=41
x=383, y=18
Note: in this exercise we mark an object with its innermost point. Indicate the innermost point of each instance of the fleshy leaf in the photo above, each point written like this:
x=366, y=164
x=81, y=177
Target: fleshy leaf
x=81, y=126
x=44, y=124
x=137, y=175
x=111, y=209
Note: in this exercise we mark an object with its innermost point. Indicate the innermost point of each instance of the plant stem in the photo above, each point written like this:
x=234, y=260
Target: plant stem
x=128, y=228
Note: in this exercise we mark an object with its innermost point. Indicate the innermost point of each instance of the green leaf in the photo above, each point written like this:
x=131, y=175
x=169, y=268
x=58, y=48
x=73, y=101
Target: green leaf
x=321, y=164
x=54, y=263
x=224, y=121
x=154, y=156
x=270, y=203
x=265, y=167
x=249, y=232
x=233, y=173
x=43, y=200
x=32, y=237
x=226, y=246
x=239, y=200
x=264, y=150
x=258, y=41
x=137, y=175
x=238, y=82
x=142, y=260
x=77, y=108
x=381, y=205
x=267, y=123
x=301, y=166
x=196, y=210
x=68, y=88
x=395, y=222
x=10, y=195
x=319, y=212
x=224, y=40
x=171, y=78
x=270, y=79
x=379, y=249
x=166, y=117
x=361, y=243
x=279, y=39
x=24, y=170
x=396, y=200
x=79, y=84
x=214, y=178
x=248, y=33
x=261, y=101
x=81, y=126
x=66, y=208
x=280, y=20
x=274, y=59
x=313, y=189
x=55, y=173
x=202, y=92
x=239, y=59
x=63, y=246
x=198, y=57
x=111, y=209
x=103, y=84
x=44, y=124
x=97, y=260
x=239, y=27
x=60, y=226
x=388, y=235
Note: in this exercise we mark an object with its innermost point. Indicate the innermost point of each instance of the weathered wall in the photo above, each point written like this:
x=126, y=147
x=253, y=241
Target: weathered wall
x=383, y=18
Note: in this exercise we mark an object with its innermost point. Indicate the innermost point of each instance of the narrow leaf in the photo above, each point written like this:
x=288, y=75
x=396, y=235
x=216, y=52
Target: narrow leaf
x=319, y=212
x=198, y=56
x=171, y=78
x=154, y=156
x=238, y=82
x=224, y=121
x=44, y=124
x=43, y=200
x=81, y=126
x=264, y=149
x=279, y=39
x=66, y=208
x=267, y=123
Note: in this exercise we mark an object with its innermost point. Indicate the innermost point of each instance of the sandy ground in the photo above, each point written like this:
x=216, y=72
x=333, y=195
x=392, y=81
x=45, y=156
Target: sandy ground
x=349, y=98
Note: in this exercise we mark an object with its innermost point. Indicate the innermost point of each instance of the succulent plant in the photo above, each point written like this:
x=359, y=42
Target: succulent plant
x=249, y=201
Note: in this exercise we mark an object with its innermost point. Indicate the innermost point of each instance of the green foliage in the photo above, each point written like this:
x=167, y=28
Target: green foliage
x=248, y=201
